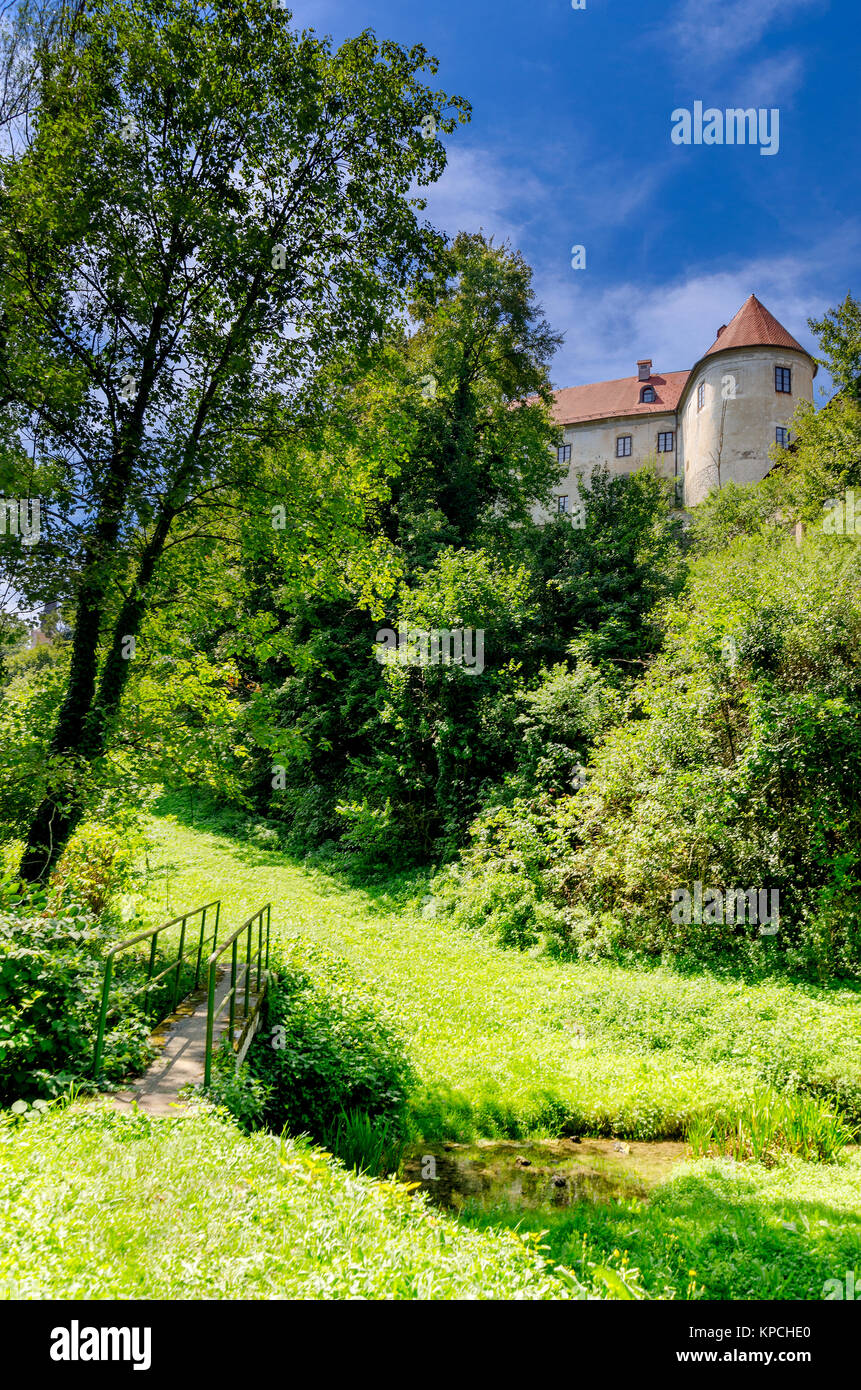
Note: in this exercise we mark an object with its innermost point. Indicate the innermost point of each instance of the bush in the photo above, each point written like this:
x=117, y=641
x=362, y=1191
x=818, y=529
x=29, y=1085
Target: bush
x=263, y=834
x=739, y=767
x=237, y=1091
x=500, y=885
x=51, y=972
x=374, y=836
x=97, y=865
x=324, y=1051
x=506, y=904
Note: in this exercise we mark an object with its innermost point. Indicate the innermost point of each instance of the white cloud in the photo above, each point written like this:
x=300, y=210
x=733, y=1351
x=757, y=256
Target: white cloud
x=769, y=83
x=321, y=15
x=608, y=330
x=519, y=204
x=714, y=33
x=476, y=192
x=614, y=190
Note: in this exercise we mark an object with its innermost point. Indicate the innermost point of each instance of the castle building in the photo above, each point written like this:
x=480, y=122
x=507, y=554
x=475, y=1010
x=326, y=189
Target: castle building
x=708, y=425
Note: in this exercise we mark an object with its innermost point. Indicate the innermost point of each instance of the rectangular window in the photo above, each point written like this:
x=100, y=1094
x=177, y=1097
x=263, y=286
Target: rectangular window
x=701, y=395
x=563, y=504
x=781, y=437
x=563, y=453
x=665, y=442
x=623, y=446
x=783, y=380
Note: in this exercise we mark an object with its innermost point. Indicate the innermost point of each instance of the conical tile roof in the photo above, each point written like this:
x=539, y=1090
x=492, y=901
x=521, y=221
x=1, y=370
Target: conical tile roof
x=754, y=326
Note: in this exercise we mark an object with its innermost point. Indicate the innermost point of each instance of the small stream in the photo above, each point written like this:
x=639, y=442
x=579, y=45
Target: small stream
x=543, y=1172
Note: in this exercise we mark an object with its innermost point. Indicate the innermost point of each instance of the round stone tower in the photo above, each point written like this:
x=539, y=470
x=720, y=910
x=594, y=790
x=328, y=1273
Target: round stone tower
x=739, y=400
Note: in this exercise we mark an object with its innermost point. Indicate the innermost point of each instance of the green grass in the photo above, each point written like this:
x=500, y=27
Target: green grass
x=130, y=1206
x=367, y=1143
x=715, y=1229
x=99, y=1204
x=505, y=1045
x=769, y=1125
x=490, y=1030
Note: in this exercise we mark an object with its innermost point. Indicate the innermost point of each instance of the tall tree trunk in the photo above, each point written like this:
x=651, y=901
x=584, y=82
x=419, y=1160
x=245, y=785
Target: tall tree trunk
x=87, y=715
x=81, y=723
x=57, y=814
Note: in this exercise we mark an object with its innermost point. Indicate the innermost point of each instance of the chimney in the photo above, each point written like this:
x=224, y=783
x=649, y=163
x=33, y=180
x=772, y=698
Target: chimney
x=644, y=369
x=722, y=329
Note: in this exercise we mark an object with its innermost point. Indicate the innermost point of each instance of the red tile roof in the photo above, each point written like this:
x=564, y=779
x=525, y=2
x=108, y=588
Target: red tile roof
x=753, y=326
x=604, y=399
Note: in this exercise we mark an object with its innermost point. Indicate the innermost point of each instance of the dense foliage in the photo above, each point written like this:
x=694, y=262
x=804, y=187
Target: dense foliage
x=324, y=1051
x=51, y=973
x=732, y=765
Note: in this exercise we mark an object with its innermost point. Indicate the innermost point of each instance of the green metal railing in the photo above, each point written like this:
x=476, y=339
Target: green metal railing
x=240, y=982
x=175, y=965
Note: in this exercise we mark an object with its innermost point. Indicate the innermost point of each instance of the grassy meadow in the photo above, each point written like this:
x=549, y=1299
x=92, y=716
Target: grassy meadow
x=503, y=1044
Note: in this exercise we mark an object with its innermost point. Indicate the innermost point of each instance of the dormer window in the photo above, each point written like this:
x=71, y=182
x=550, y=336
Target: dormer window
x=647, y=395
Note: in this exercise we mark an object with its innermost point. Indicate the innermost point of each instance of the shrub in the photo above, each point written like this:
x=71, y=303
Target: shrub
x=374, y=836
x=506, y=904
x=324, y=1051
x=240, y=1093
x=500, y=884
x=726, y=775
x=51, y=972
x=97, y=865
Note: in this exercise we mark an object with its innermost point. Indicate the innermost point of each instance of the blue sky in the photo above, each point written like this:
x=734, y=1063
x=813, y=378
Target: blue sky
x=570, y=144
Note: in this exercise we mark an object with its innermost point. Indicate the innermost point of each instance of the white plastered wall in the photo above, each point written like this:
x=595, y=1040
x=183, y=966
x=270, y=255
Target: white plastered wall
x=730, y=436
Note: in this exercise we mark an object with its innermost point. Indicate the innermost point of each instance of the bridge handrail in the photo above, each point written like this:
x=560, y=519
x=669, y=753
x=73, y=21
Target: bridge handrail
x=263, y=914
x=153, y=934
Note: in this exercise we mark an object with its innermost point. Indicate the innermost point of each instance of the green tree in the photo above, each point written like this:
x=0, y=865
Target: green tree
x=207, y=207
x=459, y=407
x=481, y=455
x=602, y=582
x=839, y=334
